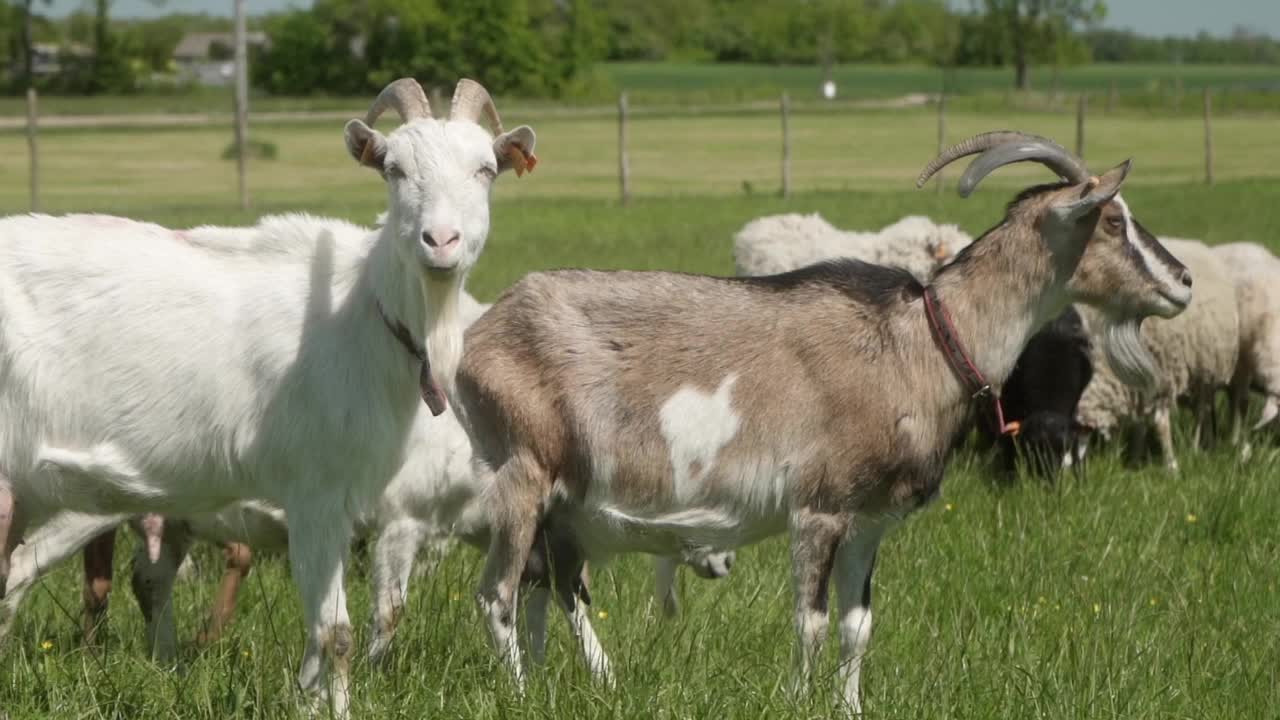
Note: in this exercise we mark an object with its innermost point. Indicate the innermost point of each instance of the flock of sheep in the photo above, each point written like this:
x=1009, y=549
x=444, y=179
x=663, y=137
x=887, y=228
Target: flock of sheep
x=207, y=384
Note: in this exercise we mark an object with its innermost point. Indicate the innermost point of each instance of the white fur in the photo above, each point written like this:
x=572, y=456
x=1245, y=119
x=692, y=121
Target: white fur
x=696, y=426
x=778, y=243
x=1256, y=274
x=149, y=370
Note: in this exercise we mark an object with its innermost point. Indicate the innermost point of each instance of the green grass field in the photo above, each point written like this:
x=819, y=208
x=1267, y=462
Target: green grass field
x=672, y=83
x=1125, y=593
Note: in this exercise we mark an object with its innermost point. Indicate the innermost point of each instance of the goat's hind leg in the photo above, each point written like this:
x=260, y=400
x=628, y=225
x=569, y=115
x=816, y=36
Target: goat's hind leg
x=393, y=557
x=815, y=536
x=99, y=561
x=238, y=561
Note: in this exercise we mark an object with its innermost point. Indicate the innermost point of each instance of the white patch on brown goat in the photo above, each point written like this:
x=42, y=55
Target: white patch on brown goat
x=697, y=426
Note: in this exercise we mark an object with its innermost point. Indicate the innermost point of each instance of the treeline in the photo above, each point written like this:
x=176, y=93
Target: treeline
x=532, y=47
x=549, y=47
x=1243, y=47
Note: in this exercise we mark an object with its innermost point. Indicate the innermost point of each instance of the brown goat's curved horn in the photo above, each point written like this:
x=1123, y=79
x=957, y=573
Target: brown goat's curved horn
x=472, y=102
x=1001, y=148
x=406, y=97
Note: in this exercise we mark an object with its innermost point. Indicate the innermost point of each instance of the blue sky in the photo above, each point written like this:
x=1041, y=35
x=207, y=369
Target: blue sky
x=1152, y=17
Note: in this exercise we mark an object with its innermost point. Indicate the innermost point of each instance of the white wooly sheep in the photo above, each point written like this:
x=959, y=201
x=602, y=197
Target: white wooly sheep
x=1256, y=273
x=149, y=370
x=779, y=243
x=1195, y=356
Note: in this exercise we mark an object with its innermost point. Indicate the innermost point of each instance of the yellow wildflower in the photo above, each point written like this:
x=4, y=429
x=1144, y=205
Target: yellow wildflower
x=1097, y=608
x=603, y=615
x=1154, y=601
x=949, y=507
x=47, y=645
x=1191, y=517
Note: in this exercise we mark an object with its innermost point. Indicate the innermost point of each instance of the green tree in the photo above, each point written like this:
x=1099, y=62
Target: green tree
x=1038, y=25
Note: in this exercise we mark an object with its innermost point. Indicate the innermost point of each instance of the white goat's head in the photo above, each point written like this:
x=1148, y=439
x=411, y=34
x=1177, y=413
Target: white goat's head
x=439, y=171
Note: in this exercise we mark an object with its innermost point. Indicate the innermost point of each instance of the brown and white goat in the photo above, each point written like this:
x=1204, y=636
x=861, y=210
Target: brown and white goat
x=672, y=413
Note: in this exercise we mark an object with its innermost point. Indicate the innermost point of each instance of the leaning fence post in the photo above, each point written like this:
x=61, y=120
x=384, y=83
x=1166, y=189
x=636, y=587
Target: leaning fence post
x=1081, y=108
x=785, y=107
x=624, y=172
x=33, y=150
x=1208, y=136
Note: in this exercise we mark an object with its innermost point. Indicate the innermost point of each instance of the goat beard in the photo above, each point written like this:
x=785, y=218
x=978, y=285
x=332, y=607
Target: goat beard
x=1127, y=354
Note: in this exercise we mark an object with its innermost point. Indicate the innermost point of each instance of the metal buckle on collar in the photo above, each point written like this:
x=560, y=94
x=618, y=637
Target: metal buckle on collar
x=984, y=391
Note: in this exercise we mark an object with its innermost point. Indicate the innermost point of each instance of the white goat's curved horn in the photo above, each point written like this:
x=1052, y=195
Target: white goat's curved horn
x=472, y=102
x=406, y=97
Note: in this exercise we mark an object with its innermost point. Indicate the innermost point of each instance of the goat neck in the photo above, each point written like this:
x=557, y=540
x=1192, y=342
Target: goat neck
x=425, y=302
x=999, y=292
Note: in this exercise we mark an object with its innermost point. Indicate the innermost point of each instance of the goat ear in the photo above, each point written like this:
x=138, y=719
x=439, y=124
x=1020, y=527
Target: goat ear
x=1095, y=193
x=514, y=150
x=365, y=144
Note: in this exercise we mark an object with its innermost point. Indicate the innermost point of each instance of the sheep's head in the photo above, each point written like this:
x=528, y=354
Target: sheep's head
x=439, y=172
x=1111, y=261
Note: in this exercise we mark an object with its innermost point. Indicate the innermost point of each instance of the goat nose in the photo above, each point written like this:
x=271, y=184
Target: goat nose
x=1185, y=278
x=440, y=237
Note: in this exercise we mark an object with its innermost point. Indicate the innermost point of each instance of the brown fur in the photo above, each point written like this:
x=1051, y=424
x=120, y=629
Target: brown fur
x=839, y=386
x=239, y=560
x=98, y=557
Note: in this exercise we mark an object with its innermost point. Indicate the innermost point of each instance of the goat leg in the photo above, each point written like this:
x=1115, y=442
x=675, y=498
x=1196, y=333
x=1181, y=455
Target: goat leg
x=239, y=560
x=11, y=526
x=99, y=559
x=153, y=533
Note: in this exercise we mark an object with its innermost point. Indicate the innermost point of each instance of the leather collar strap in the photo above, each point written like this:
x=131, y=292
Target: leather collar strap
x=948, y=340
x=432, y=395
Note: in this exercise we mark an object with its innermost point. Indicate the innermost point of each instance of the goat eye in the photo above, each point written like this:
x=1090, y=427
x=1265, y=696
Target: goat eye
x=394, y=171
x=487, y=173
x=1115, y=224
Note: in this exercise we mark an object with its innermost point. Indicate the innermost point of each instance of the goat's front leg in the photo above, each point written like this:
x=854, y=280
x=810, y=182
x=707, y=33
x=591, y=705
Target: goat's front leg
x=815, y=537
x=11, y=528
x=152, y=585
x=99, y=560
x=520, y=486
x=238, y=561
x=318, y=547
x=393, y=557
x=855, y=561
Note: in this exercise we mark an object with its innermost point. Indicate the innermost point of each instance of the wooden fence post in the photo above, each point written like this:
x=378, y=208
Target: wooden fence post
x=624, y=172
x=785, y=106
x=942, y=134
x=33, y=150
x=242, y=104
x=1208, y=136
x=1081, y=108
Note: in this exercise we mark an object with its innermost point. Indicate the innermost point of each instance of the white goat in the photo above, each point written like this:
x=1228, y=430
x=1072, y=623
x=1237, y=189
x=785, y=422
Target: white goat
x=672, y=413
x=436, y=495
x=147, y=370
x=779, y=243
